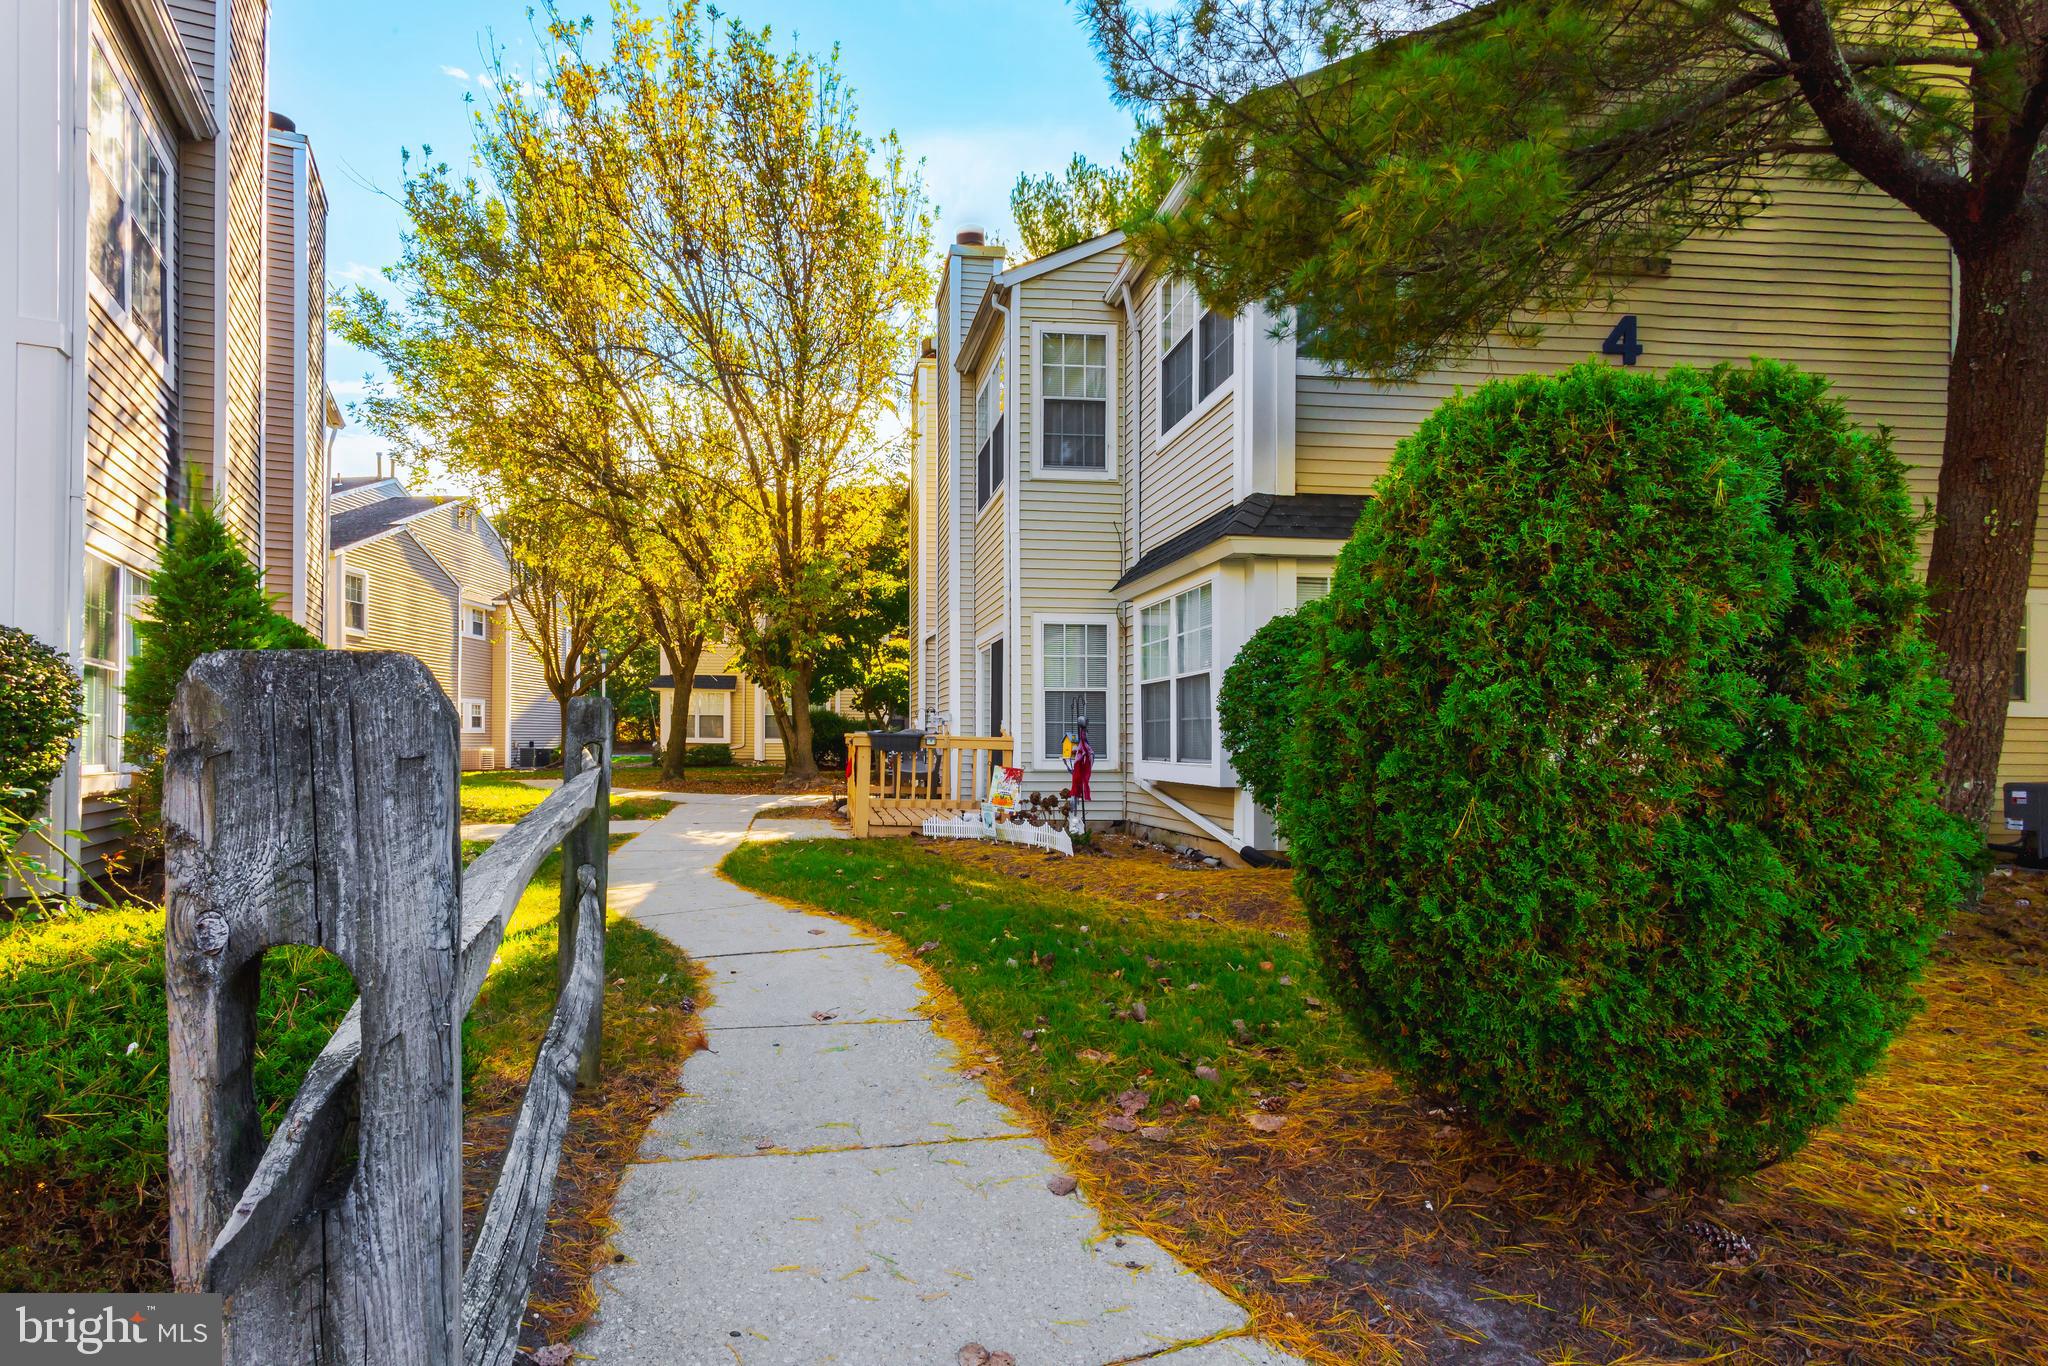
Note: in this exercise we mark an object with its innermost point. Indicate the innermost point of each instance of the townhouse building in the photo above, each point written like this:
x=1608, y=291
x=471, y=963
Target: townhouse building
x=728, y=707
x=1115, y=485
x=428, y=574
x=140, y=363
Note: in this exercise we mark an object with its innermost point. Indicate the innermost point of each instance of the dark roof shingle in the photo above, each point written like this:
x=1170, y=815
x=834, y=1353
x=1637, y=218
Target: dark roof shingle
x=372, y=519
x=1303, y=516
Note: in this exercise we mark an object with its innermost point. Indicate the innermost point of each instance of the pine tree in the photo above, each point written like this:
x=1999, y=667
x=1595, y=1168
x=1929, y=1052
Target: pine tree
x=205, y=595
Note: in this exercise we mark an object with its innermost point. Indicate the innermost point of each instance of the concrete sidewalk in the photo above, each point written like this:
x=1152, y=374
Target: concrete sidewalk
x=832, y=1188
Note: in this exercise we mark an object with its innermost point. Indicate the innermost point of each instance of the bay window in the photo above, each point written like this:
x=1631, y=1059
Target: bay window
x=1073, y=684
x=1176, y=652
x=1074, y=391
x=128, y=229
x=1196, y=352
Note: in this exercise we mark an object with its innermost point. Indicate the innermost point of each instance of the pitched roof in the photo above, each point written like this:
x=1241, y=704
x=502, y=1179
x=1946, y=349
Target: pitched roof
x=357, y=481
x=1297, y=516
x=359, y=524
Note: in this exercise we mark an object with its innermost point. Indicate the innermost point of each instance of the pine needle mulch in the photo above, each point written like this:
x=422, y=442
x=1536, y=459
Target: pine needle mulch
x=1359, y=1224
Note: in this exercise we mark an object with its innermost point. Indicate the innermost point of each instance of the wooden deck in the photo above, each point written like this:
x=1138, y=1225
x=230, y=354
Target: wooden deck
x=896, y=793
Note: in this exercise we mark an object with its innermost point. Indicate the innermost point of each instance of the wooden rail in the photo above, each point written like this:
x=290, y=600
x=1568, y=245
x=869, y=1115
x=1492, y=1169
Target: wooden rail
x=894, y=793
x=312, y=798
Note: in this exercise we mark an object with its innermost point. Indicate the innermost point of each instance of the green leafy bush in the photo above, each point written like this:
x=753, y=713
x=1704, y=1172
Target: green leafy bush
x=40, y=713
x=708, y=756
x=1612, y=796
x=1255, y=707
x=828, y=735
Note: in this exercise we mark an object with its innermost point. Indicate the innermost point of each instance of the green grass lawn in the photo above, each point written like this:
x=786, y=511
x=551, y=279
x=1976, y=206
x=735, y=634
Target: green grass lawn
x=83, y=1055
x=1055, y=981
x=499, y=796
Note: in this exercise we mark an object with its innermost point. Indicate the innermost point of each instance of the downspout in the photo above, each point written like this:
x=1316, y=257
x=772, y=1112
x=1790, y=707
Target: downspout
x=1127, y=355
x=1257, y=858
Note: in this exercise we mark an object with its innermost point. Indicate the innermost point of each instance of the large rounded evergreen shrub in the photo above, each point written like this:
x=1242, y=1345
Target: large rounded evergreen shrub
x=40, y=712
x=1255, y=705
x=1612, y=791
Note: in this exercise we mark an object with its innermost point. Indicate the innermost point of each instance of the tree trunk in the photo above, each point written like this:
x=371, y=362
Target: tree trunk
x=1989, y=495
x=683, y=657
x=797, y=759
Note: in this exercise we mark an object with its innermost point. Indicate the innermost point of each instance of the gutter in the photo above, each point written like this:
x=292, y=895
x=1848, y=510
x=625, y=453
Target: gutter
x=1257, y=858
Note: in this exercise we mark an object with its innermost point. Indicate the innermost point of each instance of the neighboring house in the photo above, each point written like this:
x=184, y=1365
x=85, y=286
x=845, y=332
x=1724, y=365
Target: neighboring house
x=137, y=367
x=728, y=708
x=1115, y=485
x=429, y=575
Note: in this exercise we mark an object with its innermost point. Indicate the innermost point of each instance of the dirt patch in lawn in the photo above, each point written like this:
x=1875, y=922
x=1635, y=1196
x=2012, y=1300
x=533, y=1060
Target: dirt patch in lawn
x=1132, y=873
x=1916, y=1227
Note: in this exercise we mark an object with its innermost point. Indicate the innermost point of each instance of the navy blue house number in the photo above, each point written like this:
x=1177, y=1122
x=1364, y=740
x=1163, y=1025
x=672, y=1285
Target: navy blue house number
x=1622, y=341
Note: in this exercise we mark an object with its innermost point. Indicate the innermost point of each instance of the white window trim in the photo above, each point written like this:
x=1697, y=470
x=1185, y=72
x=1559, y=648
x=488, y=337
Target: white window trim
x=763, y=714
x=161, y=352
x=1203, y=402
x=724, y=709
x=123, y=600
x=2037, y=657
x=1103, y=733
x=484, y=609
x=997, y=380
x=1039, y=469
x=998, y=632
x=485, y=704
x=346, y=575
x=1202, y=773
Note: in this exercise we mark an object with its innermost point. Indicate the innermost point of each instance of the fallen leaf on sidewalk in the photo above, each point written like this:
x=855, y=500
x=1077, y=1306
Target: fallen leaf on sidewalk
x=817, y=931
x=764, y=1145
x=822, y=1015
x=555, y=1355
x=973, y=1354
x=1062, y=1185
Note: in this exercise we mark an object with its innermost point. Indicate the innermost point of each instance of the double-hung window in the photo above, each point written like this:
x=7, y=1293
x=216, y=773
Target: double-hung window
x=1073, y=669
x=479, y=622
x=1074, y=380
x=1196, y=353
x=707, y=714
x=475, y=713
x=355, y=601
x=1176, y=649
x=103, y=662
x=988, y=423
x=128, y=230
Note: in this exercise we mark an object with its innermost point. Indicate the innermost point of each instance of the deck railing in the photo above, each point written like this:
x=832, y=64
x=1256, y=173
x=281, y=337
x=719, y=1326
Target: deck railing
x=313, y=798
x=893, y=791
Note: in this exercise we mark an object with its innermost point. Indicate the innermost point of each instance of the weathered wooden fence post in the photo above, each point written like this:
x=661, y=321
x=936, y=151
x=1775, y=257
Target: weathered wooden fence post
x=590, y=724
x=310, y=798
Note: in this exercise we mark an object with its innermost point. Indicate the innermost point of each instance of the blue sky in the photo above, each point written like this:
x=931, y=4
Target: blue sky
x=981, y=91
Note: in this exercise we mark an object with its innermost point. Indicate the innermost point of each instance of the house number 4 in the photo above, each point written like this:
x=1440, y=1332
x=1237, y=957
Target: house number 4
x=1622, y=341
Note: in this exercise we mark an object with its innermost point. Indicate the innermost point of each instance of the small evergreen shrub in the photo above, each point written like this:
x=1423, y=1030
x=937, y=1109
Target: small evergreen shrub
x=41, y=710
x=1612, y=795
x=708, y=756
x=1255, y=707
x=205, y=595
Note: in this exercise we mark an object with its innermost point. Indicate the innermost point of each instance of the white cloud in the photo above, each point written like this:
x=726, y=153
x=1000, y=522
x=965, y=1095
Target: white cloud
x=356, y=452
x=455, y=73
x=356, y=273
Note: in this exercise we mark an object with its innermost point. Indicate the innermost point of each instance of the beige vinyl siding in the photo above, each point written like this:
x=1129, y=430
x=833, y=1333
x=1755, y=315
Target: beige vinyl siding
x=1191, y=476
x=469, y=549
x=531, y=716
x=314, y=392
x=1834, y=277
x=197, y=249
x=1070, y=541
x=411, y=604
x=282, y=373
x=1218, y=804
x=129, y=409
x=245, y=134
x=342, y=501
x=975, y=272
x=477, y=678
x=989, y=597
